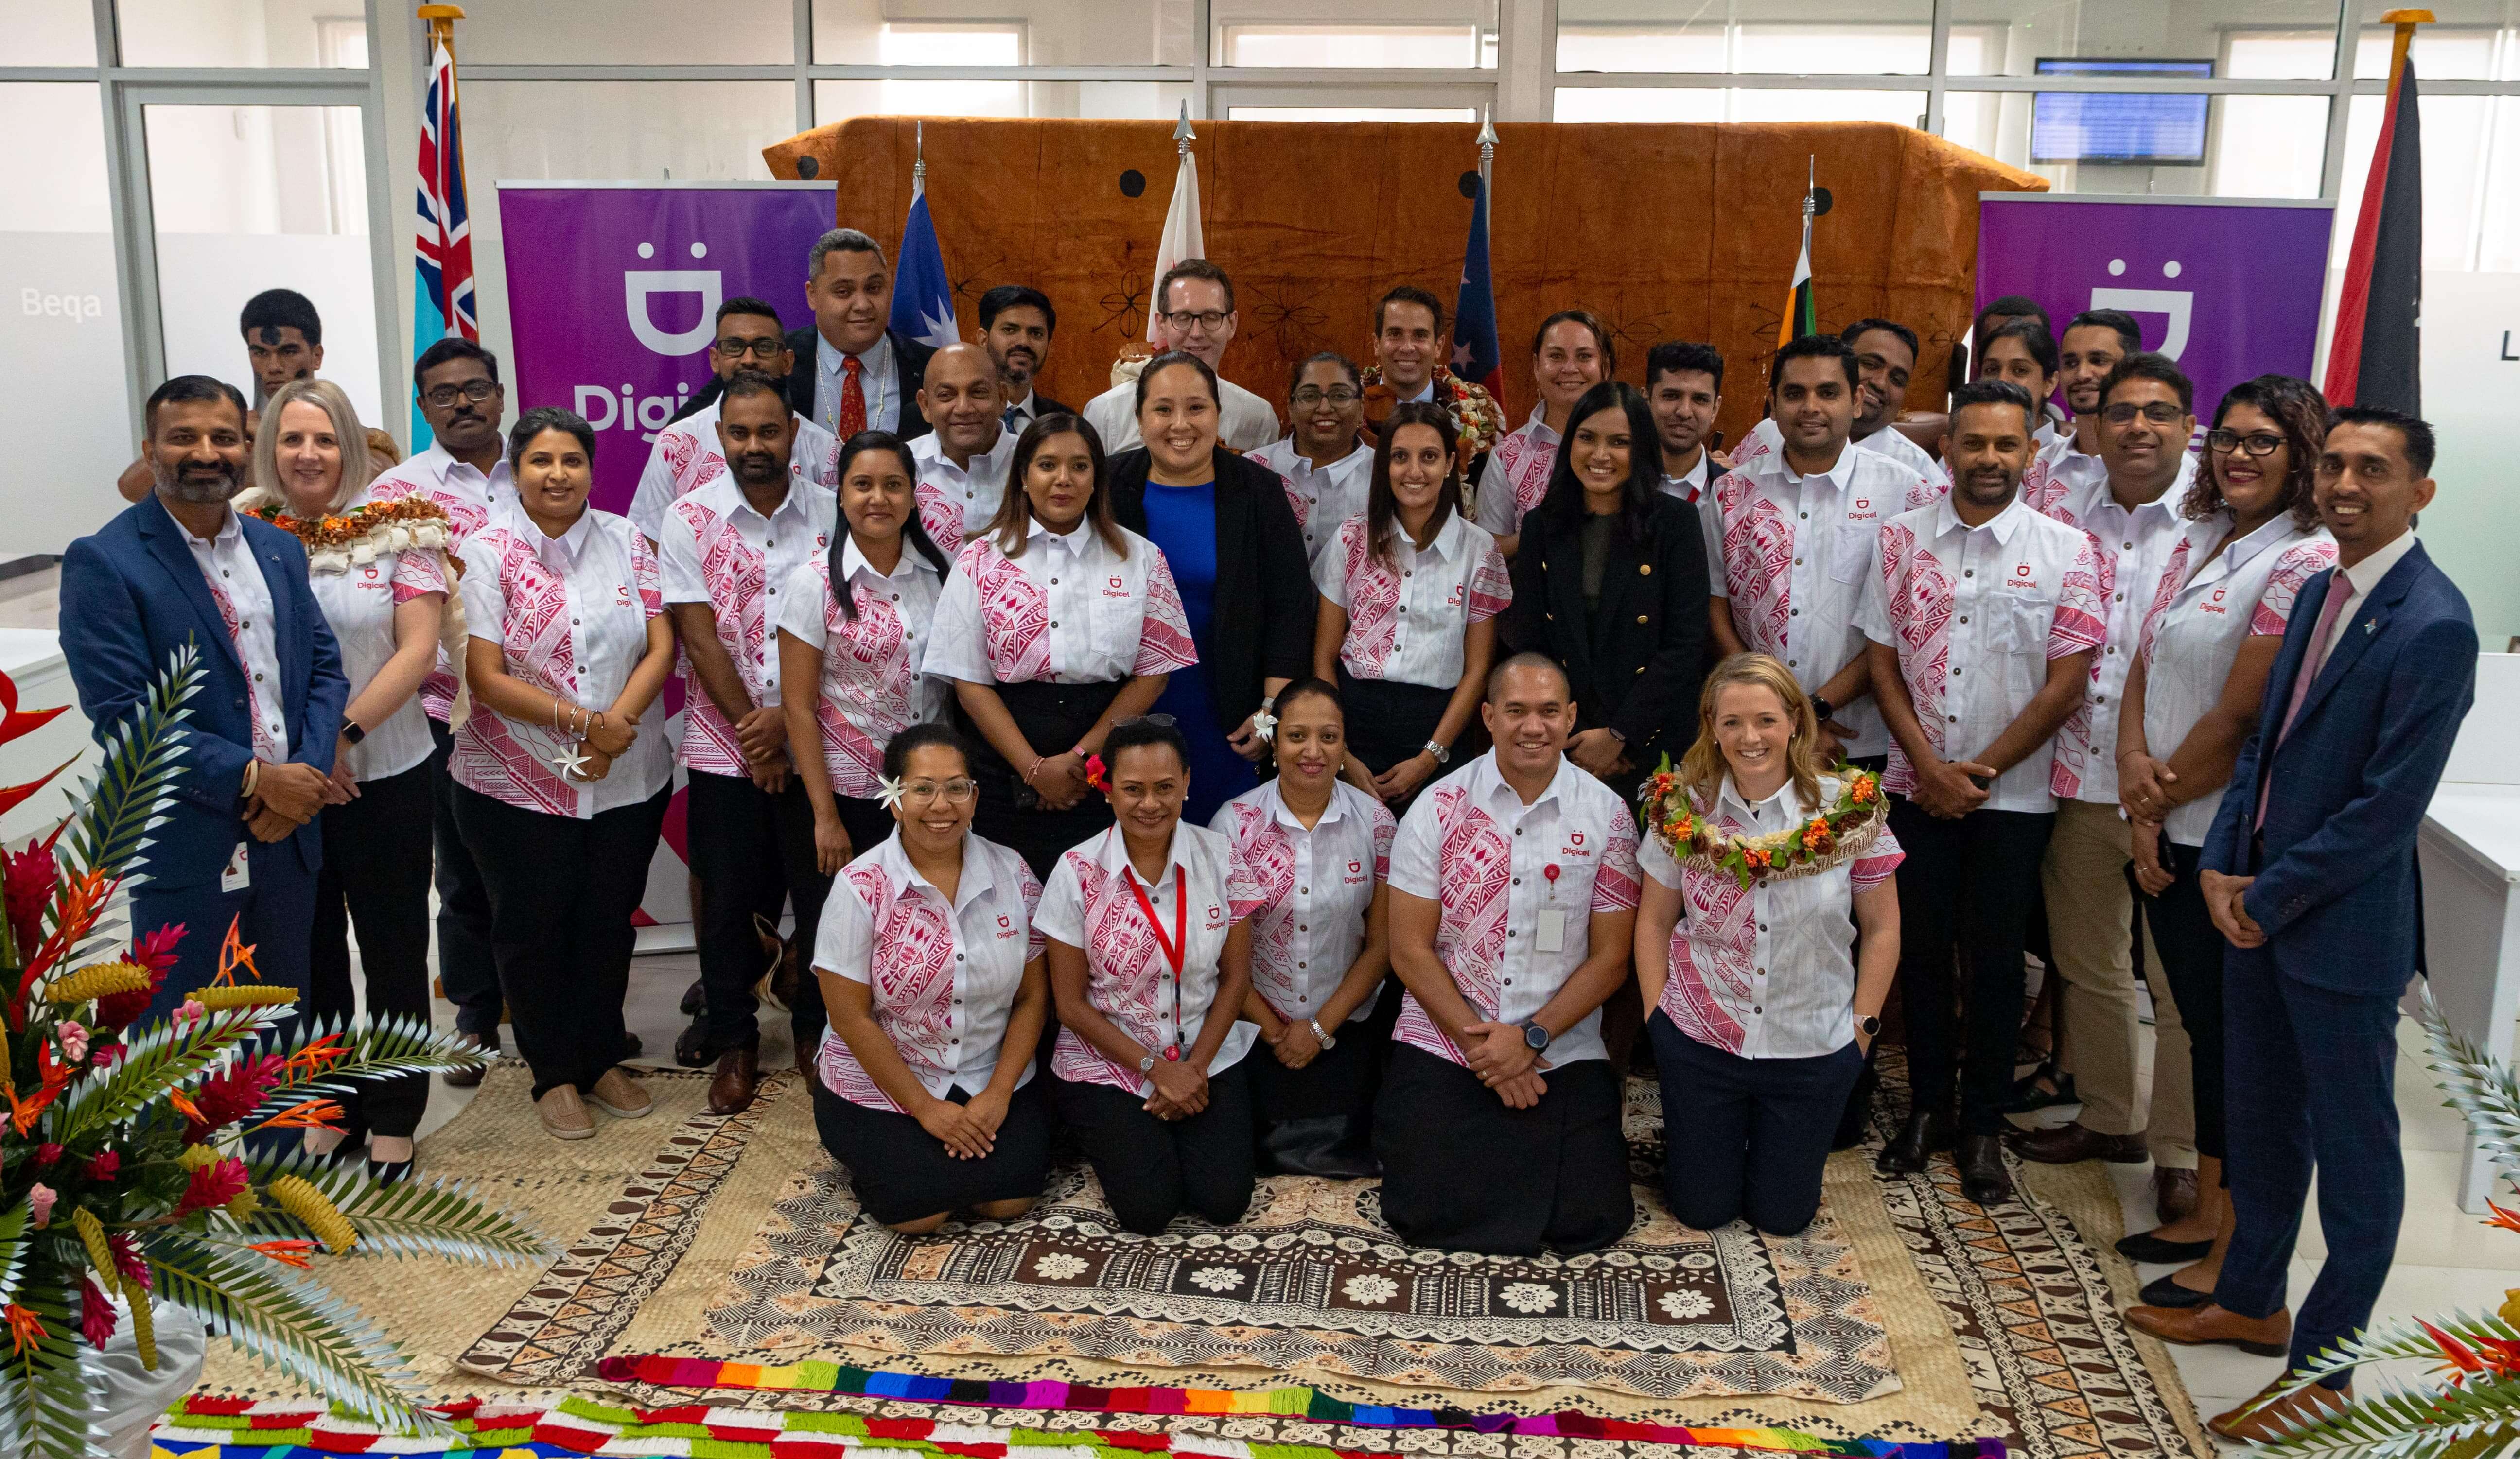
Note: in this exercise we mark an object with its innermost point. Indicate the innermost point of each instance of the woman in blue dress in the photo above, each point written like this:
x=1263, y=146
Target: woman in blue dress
x=1237, y=556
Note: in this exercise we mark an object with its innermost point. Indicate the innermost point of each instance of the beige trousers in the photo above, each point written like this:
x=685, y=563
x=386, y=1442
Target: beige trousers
x=2090, y=912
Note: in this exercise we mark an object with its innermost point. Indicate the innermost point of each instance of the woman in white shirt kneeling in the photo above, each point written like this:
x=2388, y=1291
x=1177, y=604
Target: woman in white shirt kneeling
x=1753, y=858
x=931, y=971
x=1150, y=960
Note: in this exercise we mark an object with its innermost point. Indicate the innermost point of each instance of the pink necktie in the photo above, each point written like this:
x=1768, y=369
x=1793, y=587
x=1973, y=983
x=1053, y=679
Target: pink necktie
x=2340, y=591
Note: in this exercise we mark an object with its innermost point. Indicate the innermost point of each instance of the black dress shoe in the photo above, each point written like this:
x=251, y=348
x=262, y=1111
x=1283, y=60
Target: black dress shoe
x=1926, y=1132
x=388, y=1172
x=2027, y=1096
x=692, y=1049
x=2162, y=1292
x=694, y=999
x=1983, y=1177
x=2146, y=1246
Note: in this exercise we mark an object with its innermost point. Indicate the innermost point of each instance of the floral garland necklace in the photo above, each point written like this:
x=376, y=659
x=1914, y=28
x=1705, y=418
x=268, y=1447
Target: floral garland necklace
x=1843, y=830
x=1477, y=418
x=338, y=542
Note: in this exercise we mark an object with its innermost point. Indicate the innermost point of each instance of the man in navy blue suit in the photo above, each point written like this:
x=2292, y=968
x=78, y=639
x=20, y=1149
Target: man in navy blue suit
x=242, y=841
x=2310, y=873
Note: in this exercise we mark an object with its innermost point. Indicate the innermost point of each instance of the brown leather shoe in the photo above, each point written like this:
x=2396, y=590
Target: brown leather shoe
x=2065, y=1144
x=2251, y=1424
x=2265, y=1336
x=737, y=1080
x=2173, y=1194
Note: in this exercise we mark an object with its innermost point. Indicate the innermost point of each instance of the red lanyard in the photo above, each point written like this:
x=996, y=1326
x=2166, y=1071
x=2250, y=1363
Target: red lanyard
x=1176, y=948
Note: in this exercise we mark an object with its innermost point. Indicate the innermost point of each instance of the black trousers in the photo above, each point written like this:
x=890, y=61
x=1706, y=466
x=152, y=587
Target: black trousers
x=562, y=895
x=467, y=965
x=1463, y=1171
x=1964, y=891
x=1339, y=1082
x=2191, y=959
x=375, y=875
x=753, y=852
x=900, y=1172
x=1153, y=1169
x=867, y=824
x=1746, y=1138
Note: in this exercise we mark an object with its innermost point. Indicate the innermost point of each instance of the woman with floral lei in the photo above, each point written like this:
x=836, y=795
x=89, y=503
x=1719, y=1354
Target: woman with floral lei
x=1763, y=1012
x=381, y=574
x=931, y=972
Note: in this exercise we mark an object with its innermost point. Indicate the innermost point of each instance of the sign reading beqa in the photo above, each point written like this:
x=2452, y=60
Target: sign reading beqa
x=2229, y=289
x=613, y=295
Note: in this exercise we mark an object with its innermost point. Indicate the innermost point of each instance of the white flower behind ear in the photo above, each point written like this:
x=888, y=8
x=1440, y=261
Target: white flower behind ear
x=887, y=791
x=1265, y=725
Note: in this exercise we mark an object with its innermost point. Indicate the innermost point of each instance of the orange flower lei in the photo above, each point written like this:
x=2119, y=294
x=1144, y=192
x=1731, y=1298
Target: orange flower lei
x=1840, y=832
x=348, y=527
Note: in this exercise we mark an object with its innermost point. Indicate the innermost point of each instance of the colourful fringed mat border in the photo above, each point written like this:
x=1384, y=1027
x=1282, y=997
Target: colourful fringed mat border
x=580, y=1426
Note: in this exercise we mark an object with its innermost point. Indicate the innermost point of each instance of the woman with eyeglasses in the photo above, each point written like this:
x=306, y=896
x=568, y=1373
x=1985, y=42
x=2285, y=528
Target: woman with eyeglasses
x=930, y=967
x=1611, y=583
x=1150, y=963
x=1318, y=850
x=1235, y=550
x=1054, y=624
x=2208, y=643
x=1411, y=592
x=560, y=790
x=1325, y=460
x=853, y=626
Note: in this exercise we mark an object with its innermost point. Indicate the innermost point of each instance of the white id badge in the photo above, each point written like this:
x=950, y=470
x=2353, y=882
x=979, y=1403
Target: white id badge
x=237, y=875
x=1552, y=934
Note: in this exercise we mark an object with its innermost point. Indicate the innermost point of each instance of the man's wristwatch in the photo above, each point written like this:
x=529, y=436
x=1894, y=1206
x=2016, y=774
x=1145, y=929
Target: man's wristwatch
x=1870, y=1024
x=1323, y=1035
x=1442, y=755
x=1535, y=1035
x=1821, y=710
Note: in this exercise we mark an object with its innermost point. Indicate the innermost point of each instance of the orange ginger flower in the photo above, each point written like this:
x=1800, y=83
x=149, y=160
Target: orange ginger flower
x=293, y=1252
x=25, y=1329
x=311, y=1114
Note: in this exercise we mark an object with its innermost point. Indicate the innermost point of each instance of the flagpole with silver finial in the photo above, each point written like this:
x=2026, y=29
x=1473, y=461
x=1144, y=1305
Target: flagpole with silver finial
x=918, y=157
x=1183, y=136
x=1487, y=148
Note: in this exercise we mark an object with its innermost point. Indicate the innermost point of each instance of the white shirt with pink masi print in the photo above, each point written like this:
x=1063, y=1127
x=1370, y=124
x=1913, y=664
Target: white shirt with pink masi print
x=714, y=549
x=872, y=686
x=1315, y=890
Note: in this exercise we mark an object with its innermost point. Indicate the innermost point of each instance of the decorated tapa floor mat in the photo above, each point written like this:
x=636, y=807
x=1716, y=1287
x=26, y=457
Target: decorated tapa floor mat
x=214, y=1429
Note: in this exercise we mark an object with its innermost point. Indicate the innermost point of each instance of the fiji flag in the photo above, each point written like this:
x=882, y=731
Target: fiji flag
x=1476, y=355
x=442, y=249
x=923, y=299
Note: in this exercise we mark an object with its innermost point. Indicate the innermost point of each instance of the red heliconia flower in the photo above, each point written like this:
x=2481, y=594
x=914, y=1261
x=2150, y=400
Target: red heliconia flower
x=97, y=1316
x=155, y=951
x=104, y=1167
x=231, y=1094
x=214, y=1185
x=127, y=1259
x=48, y=1155
x=32, y=876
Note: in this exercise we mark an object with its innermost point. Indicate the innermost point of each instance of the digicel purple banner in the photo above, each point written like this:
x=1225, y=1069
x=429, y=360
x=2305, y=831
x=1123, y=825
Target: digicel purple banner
x=2231, y=290
x=612, y=294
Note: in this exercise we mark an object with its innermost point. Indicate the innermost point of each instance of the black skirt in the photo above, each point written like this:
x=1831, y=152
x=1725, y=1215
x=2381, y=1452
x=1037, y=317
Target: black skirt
x=1388, y=721
x=901, y=1173
x=1053, y=718
x=1340, y=1081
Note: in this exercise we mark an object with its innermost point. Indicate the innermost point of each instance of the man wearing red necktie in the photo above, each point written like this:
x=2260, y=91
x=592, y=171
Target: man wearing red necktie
x=2310, y=873
x=853, y=373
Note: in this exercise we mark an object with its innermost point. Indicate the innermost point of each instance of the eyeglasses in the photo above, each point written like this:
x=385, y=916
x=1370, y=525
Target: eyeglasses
x=2224, y=442
x=1210, y=320
x=2159, y=413
x=476, y=391
x=1313, y=395
x=760, y=350
x=957, y=791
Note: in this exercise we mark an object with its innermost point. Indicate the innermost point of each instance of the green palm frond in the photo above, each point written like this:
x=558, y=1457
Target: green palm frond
x=2477, y=1086
x=292, y=1324
x=396, y=1044
x=125, y=798
x=2393, y=1420
x=422, y=1216
x=160, y=1057
x=13, y=1251
x=45, y=1403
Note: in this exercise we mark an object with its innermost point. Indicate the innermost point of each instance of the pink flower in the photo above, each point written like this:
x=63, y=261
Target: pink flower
x=191, y=1011
x=104, y=1167
x=48, y=1155
x=105, y=1054
x=126, y=1255
x=73, y=1041
x=39, y=1204
x=97, y=1316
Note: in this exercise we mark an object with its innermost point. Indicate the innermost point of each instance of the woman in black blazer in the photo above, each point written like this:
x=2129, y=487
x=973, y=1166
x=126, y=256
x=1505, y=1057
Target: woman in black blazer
x=1238, y=559
x=1612, y=581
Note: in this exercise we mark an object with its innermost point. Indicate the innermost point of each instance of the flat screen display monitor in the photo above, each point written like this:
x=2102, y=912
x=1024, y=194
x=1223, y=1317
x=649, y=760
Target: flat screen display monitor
x=2138, y=128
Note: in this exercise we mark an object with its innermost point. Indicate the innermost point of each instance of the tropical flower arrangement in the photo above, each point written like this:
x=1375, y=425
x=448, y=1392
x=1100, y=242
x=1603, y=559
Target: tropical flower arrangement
x=1477, y=418
x=124, y=1168
x=362, y=534
x=2473, y=1408
x=1842, y=830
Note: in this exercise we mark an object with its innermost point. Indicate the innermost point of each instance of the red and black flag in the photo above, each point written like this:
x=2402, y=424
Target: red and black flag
x=2373, y=357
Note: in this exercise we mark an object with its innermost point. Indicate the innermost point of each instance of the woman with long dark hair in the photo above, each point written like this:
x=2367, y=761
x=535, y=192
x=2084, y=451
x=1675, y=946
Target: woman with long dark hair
x=1237, y=557
x=560, y=789
x=1056, y=622
x=1612, y=581
x=2209, y=643
x=853, y=626
x=1410, y=593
